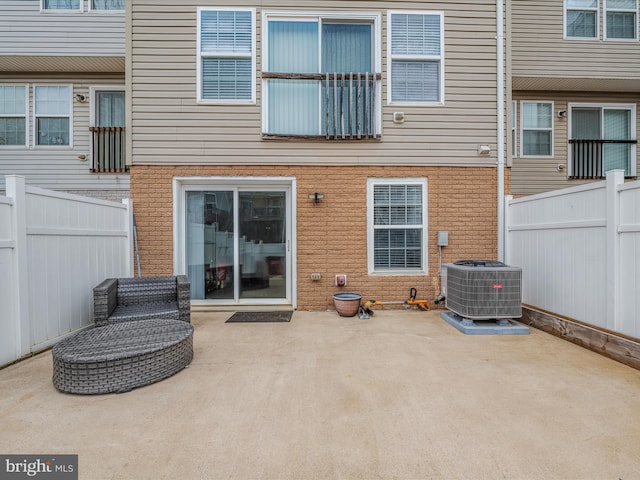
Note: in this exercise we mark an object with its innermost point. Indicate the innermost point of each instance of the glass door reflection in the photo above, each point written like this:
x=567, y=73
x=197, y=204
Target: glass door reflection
x=262, y=244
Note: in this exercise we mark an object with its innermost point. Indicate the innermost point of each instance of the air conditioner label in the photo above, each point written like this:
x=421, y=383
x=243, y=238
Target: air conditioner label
x=496, y=286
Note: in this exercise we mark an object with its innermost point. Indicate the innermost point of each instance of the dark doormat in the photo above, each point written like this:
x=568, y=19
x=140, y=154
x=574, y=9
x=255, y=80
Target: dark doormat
x=279, y=316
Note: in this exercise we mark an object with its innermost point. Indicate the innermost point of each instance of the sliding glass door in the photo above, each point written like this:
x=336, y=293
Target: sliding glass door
x=237, y=245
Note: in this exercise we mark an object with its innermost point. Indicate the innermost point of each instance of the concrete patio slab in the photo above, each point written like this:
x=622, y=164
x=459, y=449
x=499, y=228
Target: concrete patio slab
x=402, y=395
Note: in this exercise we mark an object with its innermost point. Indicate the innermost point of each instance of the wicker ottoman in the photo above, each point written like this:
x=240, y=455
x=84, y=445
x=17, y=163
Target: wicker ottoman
x=117, y=358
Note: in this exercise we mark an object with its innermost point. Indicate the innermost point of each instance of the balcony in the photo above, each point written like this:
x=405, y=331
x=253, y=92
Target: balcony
x=591, y=159
x=108, y=152
x=335, y=106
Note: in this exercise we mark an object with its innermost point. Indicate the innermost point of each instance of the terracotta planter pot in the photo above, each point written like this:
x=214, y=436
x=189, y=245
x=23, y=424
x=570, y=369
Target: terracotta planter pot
x=346, y=304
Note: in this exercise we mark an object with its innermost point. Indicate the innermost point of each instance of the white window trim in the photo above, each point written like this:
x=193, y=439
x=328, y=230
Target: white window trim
x=61, y=10
x=93, y=90
x=200, y=56
x=440, y=57
x=374, y=17
x=183, y=184
x=564, y=22
x=522, y=129
x=605, y=106
x=100, y=11
x=26, y=117
x=93, y=109
x=604, y=19
x=371, y=182
x=35, y=117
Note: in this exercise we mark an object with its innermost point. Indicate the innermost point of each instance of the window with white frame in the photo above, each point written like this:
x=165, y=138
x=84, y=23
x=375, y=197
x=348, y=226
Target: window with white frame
x=322, y=75
x=397, y=225
x=13, y=115
x=52, y=114
x=62, y=5
x=226, y=55
x=536, y=121
x=602, y=138
x=416, y=55
x=581, y=18
x=621, y=19
x=114, y=5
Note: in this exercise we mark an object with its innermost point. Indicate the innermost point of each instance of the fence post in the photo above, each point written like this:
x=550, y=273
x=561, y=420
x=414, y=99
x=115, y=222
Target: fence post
x=130, y=247
x=612, y=255
x=15, y=188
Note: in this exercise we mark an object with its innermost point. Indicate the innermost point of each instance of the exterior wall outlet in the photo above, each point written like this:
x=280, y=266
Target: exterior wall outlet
x=341, y=280
x=315, y=276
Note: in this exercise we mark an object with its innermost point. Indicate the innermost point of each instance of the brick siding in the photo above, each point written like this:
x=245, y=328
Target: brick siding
x=332, y=235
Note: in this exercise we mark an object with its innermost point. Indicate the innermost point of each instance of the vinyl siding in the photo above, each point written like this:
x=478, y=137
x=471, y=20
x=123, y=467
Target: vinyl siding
x=26, y=31
x=170, y=128
x=59, y=168
x=532, y=175
x=539, y=50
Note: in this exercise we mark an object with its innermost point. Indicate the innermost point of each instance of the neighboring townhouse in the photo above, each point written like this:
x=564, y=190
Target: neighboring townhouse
x=275, y=145
x=62, y=95
x=575, y=74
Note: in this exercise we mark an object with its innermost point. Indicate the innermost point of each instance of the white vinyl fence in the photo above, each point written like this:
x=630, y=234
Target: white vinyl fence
x=54, y=248
x=579, y=250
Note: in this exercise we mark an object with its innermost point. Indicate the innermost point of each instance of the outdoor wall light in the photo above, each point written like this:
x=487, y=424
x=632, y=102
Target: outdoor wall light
x=81, y=98
x=316, y=197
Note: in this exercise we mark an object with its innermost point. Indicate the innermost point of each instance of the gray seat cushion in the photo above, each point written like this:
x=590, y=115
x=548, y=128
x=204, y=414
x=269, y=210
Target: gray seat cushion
x=143, y=311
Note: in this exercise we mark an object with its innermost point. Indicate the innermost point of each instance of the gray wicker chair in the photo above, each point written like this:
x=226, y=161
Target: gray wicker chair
x=128, y=299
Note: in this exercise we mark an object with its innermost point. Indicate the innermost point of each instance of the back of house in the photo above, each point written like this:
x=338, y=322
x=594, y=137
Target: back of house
x=274, y=146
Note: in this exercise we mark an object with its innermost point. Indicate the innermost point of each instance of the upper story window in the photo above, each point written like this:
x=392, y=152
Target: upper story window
x=416, y=57
x=536, y=120
x=13, y=115
x=117, y=5
x=52, y=112
x=397, y=225
x=621, y=19
x=62, y=5
x=226, y=56
x=581, y=18
x=321, y=75
x=602, y=138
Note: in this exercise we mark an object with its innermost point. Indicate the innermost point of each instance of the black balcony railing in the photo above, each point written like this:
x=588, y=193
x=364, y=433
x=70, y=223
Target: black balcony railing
x=348, y=104
x=587, y=157
x=108, y=150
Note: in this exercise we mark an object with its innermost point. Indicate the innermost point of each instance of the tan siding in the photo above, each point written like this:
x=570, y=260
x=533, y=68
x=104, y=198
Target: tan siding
x=539, y=49
x=60, y=168
x=24, y=30
x=171, y=128
x=535, y=175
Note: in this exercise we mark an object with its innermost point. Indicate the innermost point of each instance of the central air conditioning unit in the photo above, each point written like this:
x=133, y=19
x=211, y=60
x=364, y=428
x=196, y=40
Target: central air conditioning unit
x=484, y=289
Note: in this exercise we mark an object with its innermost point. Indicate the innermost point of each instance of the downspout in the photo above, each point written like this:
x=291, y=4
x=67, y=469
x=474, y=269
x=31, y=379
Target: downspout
x=501, y=128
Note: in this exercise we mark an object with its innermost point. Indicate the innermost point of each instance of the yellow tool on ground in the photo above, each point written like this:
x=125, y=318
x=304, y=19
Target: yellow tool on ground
x=367, y=307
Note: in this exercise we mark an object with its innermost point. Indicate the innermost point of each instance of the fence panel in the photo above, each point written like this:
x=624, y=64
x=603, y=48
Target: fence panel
x=559, y=241
x=63, y=246
x=629, y=229
x=8, y=334
x=579, y=250
x=73, y=243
